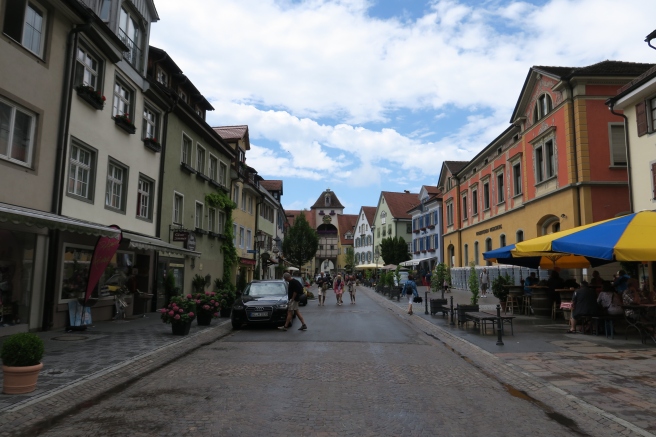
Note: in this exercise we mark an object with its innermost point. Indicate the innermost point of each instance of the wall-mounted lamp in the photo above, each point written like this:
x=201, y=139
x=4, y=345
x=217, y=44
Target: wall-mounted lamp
x=563, y=216
x=649, y=37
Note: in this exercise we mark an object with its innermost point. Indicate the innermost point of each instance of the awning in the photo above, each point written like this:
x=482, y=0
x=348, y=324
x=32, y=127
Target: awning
x=415, y=262
x=33, y=217
x=367, y=266
x=143, y=242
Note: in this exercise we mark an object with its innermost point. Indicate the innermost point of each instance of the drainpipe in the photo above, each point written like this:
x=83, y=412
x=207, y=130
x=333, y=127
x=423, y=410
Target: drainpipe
x=628, y=151
x=58, y=181
x=576, y=161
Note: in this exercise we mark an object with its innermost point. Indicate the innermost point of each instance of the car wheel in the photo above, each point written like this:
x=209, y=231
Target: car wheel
x=236, y=325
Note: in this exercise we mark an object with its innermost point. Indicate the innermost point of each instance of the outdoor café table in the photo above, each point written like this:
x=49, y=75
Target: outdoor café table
x=645, y=319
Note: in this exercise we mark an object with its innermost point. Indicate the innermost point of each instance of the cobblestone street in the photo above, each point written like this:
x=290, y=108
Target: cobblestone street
x=358, y=370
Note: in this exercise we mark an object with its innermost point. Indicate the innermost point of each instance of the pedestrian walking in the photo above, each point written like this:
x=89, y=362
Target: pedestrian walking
x=351, y=288
x=410, y=291
x=294, y=292
x=322, y=283
x=338, y=287
x=484, y=279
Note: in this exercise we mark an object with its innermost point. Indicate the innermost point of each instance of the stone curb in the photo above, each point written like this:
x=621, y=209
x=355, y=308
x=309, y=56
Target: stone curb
x=569, y=410
x=38, y=414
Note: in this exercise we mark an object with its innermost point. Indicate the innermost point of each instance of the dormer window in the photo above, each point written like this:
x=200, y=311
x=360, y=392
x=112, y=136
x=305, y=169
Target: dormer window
x=542, y=107
x=199, y=112
x=130, y=34
x=183, y=95
x=327, y=199
x=162, y=77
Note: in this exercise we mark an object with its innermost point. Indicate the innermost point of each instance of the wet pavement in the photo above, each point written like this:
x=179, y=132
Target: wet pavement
x=605, y=382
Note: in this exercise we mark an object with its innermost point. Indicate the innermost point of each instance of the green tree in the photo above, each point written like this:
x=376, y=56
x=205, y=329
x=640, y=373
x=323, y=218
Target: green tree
x=349, y=259
x=473, y=283
x=394, y=250
x=440, y=275
x=301, y=242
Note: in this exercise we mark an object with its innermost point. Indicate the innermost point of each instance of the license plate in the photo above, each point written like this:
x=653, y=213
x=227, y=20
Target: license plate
x=261, y=314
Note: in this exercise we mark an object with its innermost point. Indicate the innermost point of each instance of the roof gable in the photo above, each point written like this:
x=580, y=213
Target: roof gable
x=327, y=199
x=400, y=203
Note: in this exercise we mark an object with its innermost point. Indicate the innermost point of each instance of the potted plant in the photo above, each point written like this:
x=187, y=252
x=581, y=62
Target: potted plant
x=21, y=362
x=198, y=284
x=226, y=297
x=125, y=122
x=179, y=313
x=207, y=307
x=472, y=281
x=500, y=289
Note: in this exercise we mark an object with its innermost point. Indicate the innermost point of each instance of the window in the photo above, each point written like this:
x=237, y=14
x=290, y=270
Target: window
x=25, y=23
x=87, y=69
x=223, y=174
x=502, y=240
x=200, y=159
x=198, y=222
x=81, y=172
x=476, y=252
x=488, y=247
x=248, y=238
x=178, y=205
x=122, y=100
x=213, y=167
x=249, y=203
x=162, y=76
x=500, y=188
x=486, y=196
x=243, y=200
x=519, y=236
x=234, y=234
x=105, y=9
x=389, y=229
x=116, y=186
x=408, y=228
x=144, y=198
x=466, y=250
x=186, y=149
x=617, y=145
x=235, y=194
x=474, y=202
x=183, y=95
x=464, y=207
x=517, y=179
x=449, y=214
x=150, y=119
x=545, y=161
x=222, y=219
x=211, y=219
x=241, y=236
x=128, y=31
x=542, y=107
x=17, y=128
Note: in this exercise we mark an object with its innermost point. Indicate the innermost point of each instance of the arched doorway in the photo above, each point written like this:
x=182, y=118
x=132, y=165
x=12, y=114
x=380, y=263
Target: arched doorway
x=451, y=255
x=548, y=225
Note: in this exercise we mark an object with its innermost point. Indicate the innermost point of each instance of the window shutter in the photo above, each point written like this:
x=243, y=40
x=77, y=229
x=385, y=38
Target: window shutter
x=653, y=180
x=618, y=145
x=641, y=118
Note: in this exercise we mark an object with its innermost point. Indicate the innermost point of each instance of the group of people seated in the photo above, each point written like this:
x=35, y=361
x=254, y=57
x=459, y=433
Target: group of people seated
x=599, y=297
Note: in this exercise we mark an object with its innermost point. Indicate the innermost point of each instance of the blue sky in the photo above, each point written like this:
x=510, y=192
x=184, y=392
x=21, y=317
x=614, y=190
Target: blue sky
x=364, y=96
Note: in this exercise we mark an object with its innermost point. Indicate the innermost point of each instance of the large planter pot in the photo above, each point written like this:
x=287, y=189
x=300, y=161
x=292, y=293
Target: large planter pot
x=204, y=319
x=181, y=328
x=20, y=380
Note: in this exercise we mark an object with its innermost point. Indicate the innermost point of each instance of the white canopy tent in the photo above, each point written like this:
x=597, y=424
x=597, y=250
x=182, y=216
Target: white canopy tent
x=367, y=266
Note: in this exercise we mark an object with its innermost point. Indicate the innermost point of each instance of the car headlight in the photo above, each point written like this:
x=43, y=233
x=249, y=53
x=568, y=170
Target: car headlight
x=238, y=307
x=282, y=306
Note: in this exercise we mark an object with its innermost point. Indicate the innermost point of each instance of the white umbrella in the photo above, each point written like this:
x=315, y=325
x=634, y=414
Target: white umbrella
x=291, y=269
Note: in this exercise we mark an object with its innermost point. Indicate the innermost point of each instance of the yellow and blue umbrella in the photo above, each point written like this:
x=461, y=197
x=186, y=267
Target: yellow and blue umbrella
x=630, y=237
x=546, y=260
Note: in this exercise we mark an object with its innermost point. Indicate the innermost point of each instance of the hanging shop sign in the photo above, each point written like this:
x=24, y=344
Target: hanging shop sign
x=105, y=249
x=180, y=235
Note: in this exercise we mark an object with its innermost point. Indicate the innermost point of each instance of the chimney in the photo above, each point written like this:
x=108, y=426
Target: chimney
x=406, y=191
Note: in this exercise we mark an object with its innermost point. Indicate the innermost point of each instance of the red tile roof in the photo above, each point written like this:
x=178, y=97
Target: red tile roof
x=334, y=201
x=271, y=185
x=400, y=203
x=369, y=213
x=309, y=216
x=345, y=223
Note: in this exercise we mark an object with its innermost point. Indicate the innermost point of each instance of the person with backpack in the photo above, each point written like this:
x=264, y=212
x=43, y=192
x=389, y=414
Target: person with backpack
x=410, y=290
x=338, y=287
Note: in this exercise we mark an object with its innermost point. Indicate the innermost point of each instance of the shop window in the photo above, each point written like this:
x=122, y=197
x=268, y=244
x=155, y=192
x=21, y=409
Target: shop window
x=75, y=273
x=17, y=259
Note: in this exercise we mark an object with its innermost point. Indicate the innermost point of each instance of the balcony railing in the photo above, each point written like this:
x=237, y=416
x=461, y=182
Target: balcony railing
x=133, y=55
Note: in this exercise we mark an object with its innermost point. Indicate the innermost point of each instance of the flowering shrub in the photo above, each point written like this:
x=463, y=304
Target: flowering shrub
x=92, y=93
x=206, y=303
x=179, y=310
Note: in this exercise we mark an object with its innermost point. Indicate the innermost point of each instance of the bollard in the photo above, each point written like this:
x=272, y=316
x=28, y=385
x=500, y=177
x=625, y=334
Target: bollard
x=499, y=326
x=426, y=302
x=452, y=321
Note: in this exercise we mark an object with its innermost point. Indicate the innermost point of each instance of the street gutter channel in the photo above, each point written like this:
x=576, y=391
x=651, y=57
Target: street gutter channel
x=44, y=426
x=553, y=415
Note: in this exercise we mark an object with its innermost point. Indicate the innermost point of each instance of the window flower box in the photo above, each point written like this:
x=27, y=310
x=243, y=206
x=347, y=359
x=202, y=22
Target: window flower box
x=423, y=251
x=186, y=167
x=125, y=123
x=213, y=234
x=215, y=184
x=423, y=229
x=431, y=226
x=321, y=213
x=431, y=250
x=417, y=253
x=416, y=231
x=152, y=144
x=91, y=96
x=203, y=177
x=200, y=231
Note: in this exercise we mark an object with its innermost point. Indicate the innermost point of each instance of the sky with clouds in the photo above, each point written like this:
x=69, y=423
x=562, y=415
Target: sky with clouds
x=364, y=96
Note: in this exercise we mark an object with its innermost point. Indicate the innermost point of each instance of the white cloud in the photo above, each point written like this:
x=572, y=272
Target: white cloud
x=308, y=77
